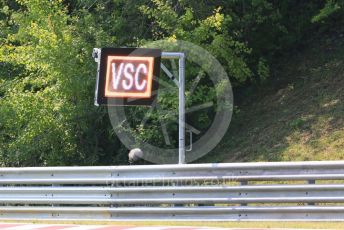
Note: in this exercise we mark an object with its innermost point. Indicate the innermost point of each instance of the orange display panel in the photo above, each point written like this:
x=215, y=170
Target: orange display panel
x=129, y=77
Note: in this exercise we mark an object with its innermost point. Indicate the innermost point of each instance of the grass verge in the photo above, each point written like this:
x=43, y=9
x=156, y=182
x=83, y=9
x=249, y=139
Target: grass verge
x=223, y=224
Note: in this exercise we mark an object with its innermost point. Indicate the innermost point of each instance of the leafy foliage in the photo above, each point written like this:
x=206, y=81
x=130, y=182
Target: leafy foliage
x=47, y=115
x=331, y=6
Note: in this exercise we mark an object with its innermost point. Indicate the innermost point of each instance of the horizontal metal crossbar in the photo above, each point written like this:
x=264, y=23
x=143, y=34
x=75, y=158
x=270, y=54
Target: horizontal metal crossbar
x=158, y=189
x=140, y=201
x=311, y=165
x=148, y=180
x=294, y=213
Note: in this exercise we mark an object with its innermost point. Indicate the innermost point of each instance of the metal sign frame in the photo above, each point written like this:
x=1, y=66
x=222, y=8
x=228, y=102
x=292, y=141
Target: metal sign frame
x=100, y=56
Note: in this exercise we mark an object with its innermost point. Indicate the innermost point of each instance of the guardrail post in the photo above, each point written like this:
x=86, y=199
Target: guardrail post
x=243, y=183
x=112, y=185
x=52, y=192
x=311, y=182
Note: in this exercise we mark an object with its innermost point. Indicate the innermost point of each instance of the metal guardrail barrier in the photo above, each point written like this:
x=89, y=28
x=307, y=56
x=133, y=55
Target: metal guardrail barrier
x=228, y=191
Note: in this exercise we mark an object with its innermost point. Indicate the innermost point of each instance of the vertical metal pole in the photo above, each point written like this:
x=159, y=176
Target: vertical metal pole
x=181, y=109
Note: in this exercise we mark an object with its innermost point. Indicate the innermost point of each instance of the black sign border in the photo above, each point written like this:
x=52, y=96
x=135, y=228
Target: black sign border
x=101, y=99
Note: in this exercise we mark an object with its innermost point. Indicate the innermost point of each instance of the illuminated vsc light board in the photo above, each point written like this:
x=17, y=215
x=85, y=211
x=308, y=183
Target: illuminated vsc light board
x=127, y=76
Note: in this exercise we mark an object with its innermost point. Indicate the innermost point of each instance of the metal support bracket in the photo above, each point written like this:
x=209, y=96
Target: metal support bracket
x=181, y=96
x=190, y=146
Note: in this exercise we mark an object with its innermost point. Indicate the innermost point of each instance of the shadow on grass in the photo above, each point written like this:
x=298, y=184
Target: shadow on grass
x=297, y=116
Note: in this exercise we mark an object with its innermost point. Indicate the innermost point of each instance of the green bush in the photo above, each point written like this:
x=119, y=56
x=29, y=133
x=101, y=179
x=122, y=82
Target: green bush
x=47, y=75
